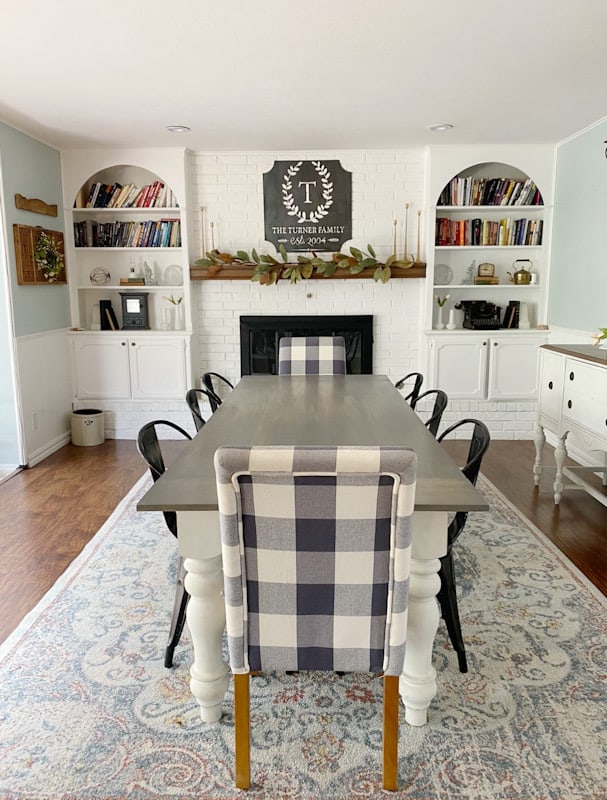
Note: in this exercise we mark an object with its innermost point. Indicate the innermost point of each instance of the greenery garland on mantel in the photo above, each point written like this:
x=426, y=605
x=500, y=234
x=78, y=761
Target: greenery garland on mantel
x=268, y=270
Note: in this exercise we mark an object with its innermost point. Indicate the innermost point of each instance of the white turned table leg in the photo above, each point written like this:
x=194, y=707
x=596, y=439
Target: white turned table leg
x=417, y=684
x=209, y=674
x=199, y=544
x=539, y=440
x=560, y=454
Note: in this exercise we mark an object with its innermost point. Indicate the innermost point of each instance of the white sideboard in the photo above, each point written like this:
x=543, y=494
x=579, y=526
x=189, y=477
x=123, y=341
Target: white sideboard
x=573, y=406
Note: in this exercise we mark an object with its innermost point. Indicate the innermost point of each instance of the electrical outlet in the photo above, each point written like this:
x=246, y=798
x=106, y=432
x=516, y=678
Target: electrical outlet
x=35, y=420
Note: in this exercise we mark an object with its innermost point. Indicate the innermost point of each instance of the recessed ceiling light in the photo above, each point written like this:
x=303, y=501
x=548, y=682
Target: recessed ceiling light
x=178, y=128
x=441, y=126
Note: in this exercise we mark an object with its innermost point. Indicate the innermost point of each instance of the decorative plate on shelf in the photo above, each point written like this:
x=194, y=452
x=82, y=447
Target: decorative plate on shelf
x=443, y=274
x=173, y=275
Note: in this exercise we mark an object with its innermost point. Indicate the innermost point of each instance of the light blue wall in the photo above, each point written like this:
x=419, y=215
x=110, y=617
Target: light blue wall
x=32, y=169
x=578, y=275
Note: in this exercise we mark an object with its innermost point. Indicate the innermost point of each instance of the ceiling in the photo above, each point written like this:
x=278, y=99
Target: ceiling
x=321, y=74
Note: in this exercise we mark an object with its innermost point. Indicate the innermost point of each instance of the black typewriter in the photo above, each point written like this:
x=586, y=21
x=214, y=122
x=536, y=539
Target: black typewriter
x=481, y=315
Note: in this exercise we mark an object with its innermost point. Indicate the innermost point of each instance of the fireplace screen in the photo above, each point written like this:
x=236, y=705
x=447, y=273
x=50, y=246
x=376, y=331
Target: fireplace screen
x=259, y=337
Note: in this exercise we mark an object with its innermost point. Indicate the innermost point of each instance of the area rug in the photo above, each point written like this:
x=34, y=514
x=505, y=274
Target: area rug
x=88, y=710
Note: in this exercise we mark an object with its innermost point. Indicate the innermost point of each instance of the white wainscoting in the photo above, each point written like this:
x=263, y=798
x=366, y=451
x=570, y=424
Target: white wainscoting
x=45, y=392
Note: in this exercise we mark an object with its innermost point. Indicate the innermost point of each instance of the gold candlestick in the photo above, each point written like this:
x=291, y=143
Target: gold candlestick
x=406, y=245
x=202, y=241
x=395, y=223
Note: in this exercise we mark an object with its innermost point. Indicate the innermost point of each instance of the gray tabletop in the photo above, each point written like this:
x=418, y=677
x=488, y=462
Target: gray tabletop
x=313, y=410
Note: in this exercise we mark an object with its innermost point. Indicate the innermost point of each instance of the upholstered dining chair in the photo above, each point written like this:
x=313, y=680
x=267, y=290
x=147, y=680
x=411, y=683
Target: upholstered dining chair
x=193, y=398
x=447, y=595
x=214, y=383
x=316, y=548
x=312, y=355
x=151, y=452
x=436, y=414
x=413, y=377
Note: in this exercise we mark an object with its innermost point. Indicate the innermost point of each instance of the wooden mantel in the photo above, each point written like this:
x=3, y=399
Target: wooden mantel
x=240, y=272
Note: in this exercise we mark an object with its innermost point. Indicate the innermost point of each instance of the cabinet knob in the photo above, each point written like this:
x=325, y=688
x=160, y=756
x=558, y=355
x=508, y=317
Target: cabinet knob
x=571, y=376
x=550, y=384
x=484, y=344
x=569, y=404
x=123, y=344
x=495, y=344
x=133, y=344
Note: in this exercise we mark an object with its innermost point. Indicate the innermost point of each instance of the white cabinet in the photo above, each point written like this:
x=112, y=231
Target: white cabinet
x=116, y=366
x=573, y=382
x=485, y=367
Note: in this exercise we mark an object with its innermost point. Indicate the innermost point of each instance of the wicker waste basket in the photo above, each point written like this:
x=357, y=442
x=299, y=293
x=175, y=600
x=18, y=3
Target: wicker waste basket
x=87, y=427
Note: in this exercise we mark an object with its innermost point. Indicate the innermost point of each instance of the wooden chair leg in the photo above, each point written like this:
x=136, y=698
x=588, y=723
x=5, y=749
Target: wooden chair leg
x=391, y=702
x=241, y=731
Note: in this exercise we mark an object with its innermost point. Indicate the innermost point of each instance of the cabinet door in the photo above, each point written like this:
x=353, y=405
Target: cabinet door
x=513, y=368
x=158, y=367
x=458, y=365
x=101, y=367
x=551, y=388
x=584, y=395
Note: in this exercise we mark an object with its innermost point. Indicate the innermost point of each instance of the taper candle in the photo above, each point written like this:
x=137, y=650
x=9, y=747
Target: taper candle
x=212, y=236
x=395, y=223
x=406, y=244
x=202, y=241
x=419, y=216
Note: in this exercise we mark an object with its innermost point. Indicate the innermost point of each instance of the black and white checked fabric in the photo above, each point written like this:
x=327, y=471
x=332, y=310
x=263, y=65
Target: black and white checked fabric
x=312, y=355
x=316, y=549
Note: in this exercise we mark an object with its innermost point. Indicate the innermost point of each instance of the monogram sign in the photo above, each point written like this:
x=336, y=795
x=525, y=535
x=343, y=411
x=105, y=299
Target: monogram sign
x=307, y=205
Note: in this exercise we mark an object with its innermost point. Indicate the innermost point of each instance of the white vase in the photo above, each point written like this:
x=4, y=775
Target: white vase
x=179, y=317
x=440, y=324
x=451, y=323
x=167, y=319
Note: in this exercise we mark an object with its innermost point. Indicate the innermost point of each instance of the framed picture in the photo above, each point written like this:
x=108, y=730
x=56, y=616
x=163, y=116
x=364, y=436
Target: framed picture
x=486, y=270
x=39, y=255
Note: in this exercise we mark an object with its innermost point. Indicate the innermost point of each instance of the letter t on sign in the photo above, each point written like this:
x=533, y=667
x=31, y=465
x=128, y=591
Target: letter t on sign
x=307, y=184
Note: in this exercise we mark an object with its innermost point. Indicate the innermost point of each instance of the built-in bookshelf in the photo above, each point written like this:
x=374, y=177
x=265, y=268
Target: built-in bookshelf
x=488, y=222
x=128, y=274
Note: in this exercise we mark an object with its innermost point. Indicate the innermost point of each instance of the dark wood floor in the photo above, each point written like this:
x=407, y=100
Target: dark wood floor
x=48, y=513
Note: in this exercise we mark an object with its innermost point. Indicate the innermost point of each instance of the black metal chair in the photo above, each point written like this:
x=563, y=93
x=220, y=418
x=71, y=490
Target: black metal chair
x=417, y=379
x=193, y=398
x=149, y=449
x=212, y=381
x=440, y=404
x=447, y=595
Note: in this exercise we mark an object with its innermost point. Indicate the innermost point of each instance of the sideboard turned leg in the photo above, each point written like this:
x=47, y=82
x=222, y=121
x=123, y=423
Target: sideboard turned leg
x=539, y=440
x=560, y=454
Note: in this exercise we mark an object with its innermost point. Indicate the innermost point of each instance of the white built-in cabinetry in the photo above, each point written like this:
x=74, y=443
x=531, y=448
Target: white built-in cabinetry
x=154, y=363
x=498, y=363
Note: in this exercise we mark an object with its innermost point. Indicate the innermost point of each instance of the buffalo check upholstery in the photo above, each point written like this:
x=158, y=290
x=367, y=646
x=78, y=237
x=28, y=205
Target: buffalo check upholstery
x=316, y=549
x=312, y=355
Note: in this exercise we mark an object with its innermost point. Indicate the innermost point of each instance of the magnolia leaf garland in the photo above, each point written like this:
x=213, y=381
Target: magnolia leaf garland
x=268, y=270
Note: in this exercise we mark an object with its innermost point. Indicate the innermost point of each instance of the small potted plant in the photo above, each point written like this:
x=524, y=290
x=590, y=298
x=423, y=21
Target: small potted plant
x=440, y=302
x=599, y=337
x=177, y=314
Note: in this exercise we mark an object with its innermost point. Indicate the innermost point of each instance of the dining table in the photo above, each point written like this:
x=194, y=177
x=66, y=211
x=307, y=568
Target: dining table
x=320, y=410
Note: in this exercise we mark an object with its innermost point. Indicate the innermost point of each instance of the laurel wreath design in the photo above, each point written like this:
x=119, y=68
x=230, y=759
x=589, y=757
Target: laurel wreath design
x=288, y=200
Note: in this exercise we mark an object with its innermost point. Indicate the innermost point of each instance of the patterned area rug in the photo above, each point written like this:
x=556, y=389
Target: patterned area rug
x=88, y=710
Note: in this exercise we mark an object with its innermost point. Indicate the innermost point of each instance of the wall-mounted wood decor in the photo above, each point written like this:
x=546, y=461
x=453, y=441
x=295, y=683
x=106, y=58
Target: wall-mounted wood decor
x=33, y=204
x=26, y=237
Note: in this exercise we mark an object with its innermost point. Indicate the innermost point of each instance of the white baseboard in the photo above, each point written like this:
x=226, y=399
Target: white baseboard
x=49, y=448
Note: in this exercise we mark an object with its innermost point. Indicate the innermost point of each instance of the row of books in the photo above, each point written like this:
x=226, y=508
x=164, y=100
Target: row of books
x=488, y=233
x=149, y=233
x=490, y=192
x=115, y=195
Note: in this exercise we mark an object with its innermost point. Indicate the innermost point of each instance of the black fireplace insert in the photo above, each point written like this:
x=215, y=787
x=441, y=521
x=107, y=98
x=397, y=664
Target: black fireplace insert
x=259, y=337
